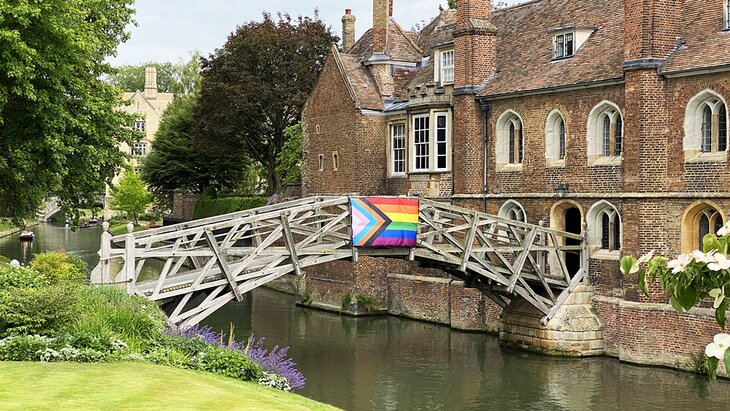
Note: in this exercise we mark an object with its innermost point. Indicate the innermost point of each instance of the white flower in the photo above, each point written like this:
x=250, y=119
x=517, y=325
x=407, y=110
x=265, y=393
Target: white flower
x=680, y=263
x=725, y=230
x=701, y=257
x=646, y=257
x=719, y=295
x=721, y=263
x=717, y=348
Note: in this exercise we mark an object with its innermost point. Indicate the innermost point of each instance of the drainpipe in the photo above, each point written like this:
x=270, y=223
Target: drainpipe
x=485, y=146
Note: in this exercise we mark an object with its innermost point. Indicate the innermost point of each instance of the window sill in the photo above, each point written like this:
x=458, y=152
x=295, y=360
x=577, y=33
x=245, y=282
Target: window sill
x=601, y=254
x=562, y=58
x=605, y=161
x=554, y=163
x=697, y=157
x=421, y=172
x=398, y=176
x=509, y=168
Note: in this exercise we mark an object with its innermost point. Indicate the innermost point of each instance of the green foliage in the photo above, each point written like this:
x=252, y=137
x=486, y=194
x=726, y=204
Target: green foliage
x=59, y=125
x=368, y=302
x=346, y=301
x=306, y=298
x=289, y=160
x=230, y=363
x=180, y=78
x=452, y=4
x=23, y=347
x=174, y=163
x=171, y=357
x=130, y=196
x=16, y=277
x=37, y=310
x=209, y=207
x=255, y=86
x=60, y=267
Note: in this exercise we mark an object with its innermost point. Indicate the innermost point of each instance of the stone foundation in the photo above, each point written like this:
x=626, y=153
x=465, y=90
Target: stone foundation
x=575, y=330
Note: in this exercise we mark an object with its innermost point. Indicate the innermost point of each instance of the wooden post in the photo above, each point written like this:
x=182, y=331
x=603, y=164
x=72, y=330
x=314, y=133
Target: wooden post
x=129, y=264
x=105, y=253
x=584, y=255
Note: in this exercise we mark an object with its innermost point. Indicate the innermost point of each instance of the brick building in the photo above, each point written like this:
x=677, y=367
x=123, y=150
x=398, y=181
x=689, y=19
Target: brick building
x=606, y=116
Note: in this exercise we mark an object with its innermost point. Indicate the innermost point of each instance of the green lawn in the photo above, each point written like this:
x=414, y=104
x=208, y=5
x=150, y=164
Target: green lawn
x=138, y=386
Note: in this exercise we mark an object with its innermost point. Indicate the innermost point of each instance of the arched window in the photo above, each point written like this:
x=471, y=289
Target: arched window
x=513, y=210
x=555, y=140
x=604, y=229
x=509, y=142
x=705, y=127
x=700, y=219
x=605, y=134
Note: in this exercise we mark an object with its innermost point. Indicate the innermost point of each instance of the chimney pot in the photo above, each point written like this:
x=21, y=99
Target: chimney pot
x=348, y=31
x=348, y=11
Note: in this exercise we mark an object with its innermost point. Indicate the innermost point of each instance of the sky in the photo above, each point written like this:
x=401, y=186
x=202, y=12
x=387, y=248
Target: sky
x=168, y=30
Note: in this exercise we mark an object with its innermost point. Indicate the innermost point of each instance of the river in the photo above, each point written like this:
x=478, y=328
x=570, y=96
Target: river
x=389, y=363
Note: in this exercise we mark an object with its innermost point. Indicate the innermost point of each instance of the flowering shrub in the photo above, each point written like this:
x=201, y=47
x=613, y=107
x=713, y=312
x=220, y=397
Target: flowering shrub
x=690, y=278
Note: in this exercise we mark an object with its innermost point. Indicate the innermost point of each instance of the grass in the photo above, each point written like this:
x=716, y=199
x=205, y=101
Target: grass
x=120, y=229
x=127, y=386
x=4, y=260
x=7, y=224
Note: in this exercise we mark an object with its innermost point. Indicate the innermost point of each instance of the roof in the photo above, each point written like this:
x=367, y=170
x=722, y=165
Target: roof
x=704, y=46
x=400, y=47
x=525, y=45
x=158, y=104
x=362, y=85
x=439, y=31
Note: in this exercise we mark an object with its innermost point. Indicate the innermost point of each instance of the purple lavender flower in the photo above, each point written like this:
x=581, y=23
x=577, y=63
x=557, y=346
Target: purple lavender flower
x=275, y=361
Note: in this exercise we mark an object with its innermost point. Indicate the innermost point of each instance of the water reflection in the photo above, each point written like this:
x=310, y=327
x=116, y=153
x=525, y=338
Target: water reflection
x=387, y=363
x=82, y=242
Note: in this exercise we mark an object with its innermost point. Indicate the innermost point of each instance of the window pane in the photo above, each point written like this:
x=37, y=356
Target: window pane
x=606, y=135
x=441, y=143
x=398, y=144
x=569, y=44
x=616, y=234
x=559, y=44
x=706, y=129
x=511, y=143
x=421, y=142
x=718, y=224
x=722, y=128
x=605, y=231
x=619, y=136
x=447, y=66
x=704, y=229
x=561, y=138
x=519, y=144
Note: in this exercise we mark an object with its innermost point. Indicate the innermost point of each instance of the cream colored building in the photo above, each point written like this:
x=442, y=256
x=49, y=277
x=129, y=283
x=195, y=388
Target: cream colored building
x=147, y=106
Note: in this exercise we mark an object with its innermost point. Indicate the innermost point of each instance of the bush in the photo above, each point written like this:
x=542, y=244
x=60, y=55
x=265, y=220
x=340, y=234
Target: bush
x=23, y=347
x=230, y=363
x=42, y=310
x=59, y=267
x=346, y=301
x=209, y=207
x=368, y=302
x=11, y=277
x=171, y=357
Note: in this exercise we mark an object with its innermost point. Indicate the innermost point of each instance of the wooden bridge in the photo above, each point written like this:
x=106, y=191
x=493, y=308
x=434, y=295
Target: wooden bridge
x=197, y=267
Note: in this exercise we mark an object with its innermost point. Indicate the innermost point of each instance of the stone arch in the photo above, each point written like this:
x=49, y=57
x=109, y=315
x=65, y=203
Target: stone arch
x=502, y=140
x=693, y=120
x=557, y=213
x=513, y=210
x=553, y=138
x=691, y=221
x=600, y=214
x=595, y=147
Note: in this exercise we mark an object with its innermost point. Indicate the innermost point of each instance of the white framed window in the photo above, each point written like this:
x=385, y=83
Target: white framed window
x=140, y=126
x=138, y=149
x=564, y=45
x=421, y=142
x=605, y=134
x=442, y=131
x=555, y=140
x=447, y=67
x=509, y=142
x=398, y=149
x=706, y=128
x=604, y=230
x=727, y=15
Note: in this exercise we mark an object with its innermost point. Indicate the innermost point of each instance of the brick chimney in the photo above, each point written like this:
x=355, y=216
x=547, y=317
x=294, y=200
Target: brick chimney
x=348, y=31
x=382, y=10
x=150, y=82
x=651, y=29
x=474, y=43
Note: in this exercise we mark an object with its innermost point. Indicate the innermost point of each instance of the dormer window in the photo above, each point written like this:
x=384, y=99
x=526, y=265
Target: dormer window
x=447, y=66
x=564, y=45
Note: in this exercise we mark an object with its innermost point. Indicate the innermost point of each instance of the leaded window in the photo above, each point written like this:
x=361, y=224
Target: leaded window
x=713, y=128
x=561, y=138
x=398, y=148
x=564, y=45
x=612, y=133
x=610, y=230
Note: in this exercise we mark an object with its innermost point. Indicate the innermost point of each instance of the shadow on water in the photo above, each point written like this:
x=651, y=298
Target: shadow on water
x=389, y=363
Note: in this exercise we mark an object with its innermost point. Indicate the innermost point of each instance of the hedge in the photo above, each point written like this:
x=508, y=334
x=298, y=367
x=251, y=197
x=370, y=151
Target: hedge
x=209, y=207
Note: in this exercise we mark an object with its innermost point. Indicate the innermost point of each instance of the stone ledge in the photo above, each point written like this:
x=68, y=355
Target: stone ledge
x=420, y=278
x=696, y=311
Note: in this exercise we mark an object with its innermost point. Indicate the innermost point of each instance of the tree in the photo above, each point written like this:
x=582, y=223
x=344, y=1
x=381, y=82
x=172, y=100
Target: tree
x=59, y=130
x=255, y=86
x=174, y=163
x=130, y=196
x=289, y=161
x=180, y=78
x=452, y=4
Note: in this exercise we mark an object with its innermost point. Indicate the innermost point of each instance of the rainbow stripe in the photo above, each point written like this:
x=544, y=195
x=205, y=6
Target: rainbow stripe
x=384, y=222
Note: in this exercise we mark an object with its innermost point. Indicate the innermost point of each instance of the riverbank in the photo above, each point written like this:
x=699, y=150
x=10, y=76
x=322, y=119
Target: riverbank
x=17, y=229
x=69, y=386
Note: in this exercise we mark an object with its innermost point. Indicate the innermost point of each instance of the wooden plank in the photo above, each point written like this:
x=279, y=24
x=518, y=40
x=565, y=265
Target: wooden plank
x=520, y=262
x=220, y=258
x=469, y=243
x=290, y=245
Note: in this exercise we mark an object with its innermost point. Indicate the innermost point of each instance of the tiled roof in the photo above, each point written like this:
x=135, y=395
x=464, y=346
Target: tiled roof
x=400, y=47
x=525, y=45
x=362, y=84
x=705, y=45
x=439, y=31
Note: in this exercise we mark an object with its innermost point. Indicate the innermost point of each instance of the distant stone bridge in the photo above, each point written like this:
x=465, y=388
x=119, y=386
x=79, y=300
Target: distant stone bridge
x=204, y=264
